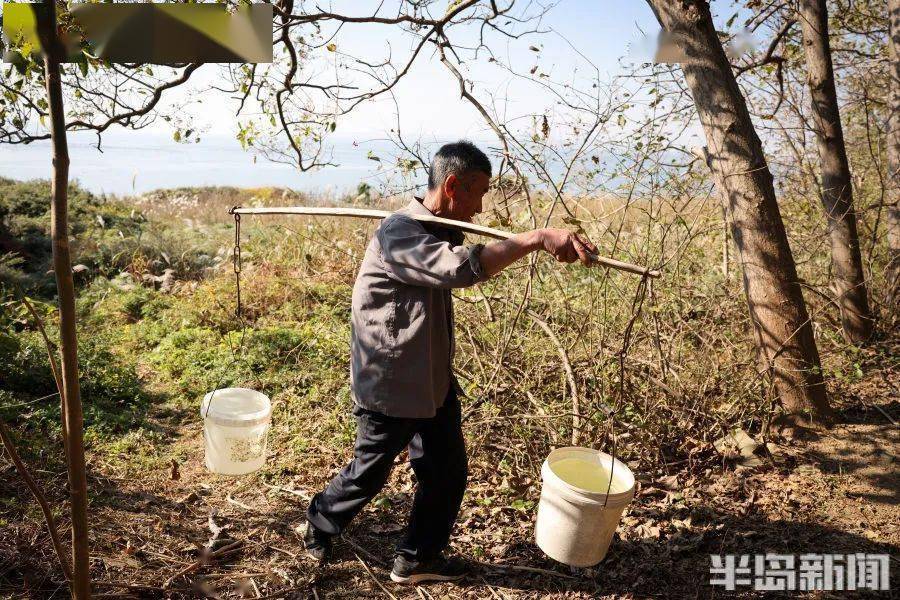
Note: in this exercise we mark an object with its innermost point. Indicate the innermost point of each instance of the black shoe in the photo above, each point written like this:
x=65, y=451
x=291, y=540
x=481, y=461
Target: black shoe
x=436, y=569
x=317, y=544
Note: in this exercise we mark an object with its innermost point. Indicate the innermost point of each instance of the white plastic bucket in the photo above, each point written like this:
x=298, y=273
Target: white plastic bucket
x=235, y=429
x=575, y=525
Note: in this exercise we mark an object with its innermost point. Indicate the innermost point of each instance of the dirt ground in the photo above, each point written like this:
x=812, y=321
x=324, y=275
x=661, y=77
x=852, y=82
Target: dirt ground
x=831, y=492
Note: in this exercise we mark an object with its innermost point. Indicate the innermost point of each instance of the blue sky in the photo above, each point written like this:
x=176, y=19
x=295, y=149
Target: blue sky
x=428, y=98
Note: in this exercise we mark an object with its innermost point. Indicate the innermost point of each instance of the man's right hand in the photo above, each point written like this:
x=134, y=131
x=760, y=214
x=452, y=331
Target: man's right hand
x=564, y=245
x=567, y=246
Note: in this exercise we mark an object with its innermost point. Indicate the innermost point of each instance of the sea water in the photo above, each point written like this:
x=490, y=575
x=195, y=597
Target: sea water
x=587, y=475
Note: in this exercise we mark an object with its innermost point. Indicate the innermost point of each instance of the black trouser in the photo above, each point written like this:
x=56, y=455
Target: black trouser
x=437, y=454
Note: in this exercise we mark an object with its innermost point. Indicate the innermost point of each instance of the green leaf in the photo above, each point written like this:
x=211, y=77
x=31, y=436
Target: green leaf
x=177, y=135
x=521, y=504
x=621, y=120
x=407, y=165
x=18, y=61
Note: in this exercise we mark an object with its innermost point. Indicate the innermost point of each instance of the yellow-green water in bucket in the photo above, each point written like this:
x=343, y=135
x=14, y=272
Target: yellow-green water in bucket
x=585, y=474
x=579, y=511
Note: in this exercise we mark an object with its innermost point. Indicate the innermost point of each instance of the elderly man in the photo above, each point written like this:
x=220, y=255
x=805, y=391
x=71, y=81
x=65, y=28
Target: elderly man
x=402, y=347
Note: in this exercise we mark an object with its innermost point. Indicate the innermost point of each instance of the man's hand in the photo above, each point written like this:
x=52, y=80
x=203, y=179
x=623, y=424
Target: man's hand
x=564, y=245
x=567, y=246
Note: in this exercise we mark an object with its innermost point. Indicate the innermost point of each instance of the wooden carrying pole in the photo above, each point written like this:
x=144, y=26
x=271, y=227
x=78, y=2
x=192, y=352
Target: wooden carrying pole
x=366, y=213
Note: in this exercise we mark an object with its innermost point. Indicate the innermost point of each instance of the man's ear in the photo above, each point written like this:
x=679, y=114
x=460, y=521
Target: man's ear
x=450, y=185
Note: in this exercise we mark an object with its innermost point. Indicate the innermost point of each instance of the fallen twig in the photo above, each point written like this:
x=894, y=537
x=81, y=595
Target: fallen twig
x=375, y=579
x=293, y=492
x=520, y=568
x=277, y=549
x=204, y=560
x=882, y=411
x=130, y=586
x=491, y=589
x=231, y=500
x=281, y=593
x=362, y=550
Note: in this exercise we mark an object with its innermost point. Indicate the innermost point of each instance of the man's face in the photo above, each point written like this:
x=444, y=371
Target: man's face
x=465, y=192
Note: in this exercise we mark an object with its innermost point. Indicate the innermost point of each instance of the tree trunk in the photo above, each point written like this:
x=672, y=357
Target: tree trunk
x=893, y=156
x=837, y=193
x=784, y=334
x=62, y=266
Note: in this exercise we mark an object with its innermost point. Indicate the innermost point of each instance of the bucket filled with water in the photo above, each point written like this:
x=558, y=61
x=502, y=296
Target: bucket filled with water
x=581, y=505
x=235, y=429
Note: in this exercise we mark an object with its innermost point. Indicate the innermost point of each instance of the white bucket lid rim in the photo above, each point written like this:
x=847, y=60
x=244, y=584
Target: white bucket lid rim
x=263, y=415
x=582, y=495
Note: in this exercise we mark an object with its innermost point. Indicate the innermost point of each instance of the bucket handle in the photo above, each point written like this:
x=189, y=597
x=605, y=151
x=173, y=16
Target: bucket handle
x=209, y=402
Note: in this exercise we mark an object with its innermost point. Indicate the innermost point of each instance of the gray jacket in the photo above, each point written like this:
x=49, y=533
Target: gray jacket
x=402, y=318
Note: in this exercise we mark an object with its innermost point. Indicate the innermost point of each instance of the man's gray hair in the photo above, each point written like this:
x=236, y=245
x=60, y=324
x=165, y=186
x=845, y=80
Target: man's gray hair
x=455, y=159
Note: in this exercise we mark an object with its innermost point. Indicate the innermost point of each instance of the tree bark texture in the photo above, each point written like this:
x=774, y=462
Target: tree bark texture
x=62, y=267
x=893, y=158
x=783, y=330
x=837, y=193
